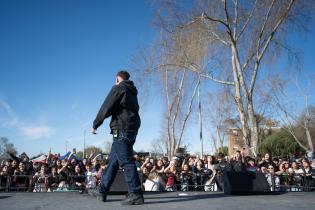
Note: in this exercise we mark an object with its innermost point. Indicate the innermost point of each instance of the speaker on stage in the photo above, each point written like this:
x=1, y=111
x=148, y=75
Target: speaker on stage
x=245, y=183
x=119, y=185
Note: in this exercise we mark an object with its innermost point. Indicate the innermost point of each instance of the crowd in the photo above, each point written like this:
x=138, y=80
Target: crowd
x=183, y=173
x=193, y=173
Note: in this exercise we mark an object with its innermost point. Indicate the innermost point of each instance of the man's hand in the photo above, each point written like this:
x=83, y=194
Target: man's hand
x=93, y=131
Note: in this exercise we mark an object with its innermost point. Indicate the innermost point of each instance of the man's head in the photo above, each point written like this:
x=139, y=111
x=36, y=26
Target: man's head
x=121, y=76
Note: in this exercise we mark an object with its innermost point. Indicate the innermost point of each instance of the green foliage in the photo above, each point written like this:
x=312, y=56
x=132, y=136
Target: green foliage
x=281, y=143
x=224, y=150
x=79, y=154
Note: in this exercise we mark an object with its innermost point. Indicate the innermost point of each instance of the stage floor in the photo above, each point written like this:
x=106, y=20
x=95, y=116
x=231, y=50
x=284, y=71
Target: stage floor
x=160, y=201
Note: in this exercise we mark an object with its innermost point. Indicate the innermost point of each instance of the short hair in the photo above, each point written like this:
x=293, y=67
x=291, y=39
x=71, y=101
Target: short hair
x=124, y=75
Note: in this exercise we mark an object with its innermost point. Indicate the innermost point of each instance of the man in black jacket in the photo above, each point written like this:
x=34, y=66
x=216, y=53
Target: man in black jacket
x=122, y=105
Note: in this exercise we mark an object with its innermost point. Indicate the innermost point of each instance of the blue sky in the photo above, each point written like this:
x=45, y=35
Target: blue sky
x=58, y=60
x=57, y=63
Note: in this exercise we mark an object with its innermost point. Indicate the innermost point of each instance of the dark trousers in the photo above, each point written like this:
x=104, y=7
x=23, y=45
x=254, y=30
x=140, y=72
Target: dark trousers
x=121, y=155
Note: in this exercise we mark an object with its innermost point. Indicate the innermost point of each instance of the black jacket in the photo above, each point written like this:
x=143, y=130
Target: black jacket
x=122, y=104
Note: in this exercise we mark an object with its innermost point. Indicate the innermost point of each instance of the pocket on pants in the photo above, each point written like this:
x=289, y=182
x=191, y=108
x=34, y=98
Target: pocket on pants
x=130, y=136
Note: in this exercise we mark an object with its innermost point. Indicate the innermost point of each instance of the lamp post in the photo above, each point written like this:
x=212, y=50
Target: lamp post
x=84, y=144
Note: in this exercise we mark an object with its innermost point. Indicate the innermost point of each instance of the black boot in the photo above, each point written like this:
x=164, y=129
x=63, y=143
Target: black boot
x=133, y=199
x=95, y=193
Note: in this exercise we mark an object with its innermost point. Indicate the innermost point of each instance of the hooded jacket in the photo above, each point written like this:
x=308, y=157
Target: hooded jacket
x=122, y=105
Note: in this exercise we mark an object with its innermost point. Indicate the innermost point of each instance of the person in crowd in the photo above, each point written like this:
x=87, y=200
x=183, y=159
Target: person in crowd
x=101, y=170
x=21, y=178
x=90, y=175
x=306, y=175
x=137, y=162
x=251, y=165
x=313, y=168
x=309, y=155
x=294, y=176
x=186, y=178
x=276, y=161
x=4, y=170
x=220, y=168
x=172, y=176
x=96, y=164
x=191, y=162
x=40, y=179
x=283, y=174
x=211, y=161
x=72, y=165
x=165, y=161
x=63, y=173
x=14, y=166
x=154, y=182
x=210, y=184
x=272, y=178
x=147, y=164
x=144, y=173
x=158, y=167
x=200, y=174
x=266, y=161
x=53, y=179
x=8, y=163
x=294, y=168
x=4, y=177
x=238, y=162
x=286, y=165
x=77, y=178
x=281, y=170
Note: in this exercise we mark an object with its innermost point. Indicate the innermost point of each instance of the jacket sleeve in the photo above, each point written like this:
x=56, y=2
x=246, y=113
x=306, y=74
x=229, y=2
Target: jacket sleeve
x=107, y=109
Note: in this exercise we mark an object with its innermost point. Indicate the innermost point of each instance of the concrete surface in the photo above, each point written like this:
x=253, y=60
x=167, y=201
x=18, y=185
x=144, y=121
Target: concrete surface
x=160, y=201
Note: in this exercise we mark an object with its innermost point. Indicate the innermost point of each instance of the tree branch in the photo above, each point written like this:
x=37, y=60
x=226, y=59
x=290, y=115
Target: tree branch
x=188, y=113
x=209, y=76
x=215, y=20
x=247, y=21
x=260, y=54
x=235, y=18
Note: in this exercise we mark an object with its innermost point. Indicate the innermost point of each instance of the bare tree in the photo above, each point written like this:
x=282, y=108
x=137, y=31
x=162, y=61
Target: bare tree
x=299, y=123
x=91, y=151
x=108, y=147
x=158, y=146
x=218, y=115
x=177, y=85
x=179, y=108
x=5, y=148
x=227, y=42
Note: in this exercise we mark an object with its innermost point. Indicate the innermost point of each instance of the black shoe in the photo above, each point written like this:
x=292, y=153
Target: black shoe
x=95, y=193
x=133, y=199
x=127, y=195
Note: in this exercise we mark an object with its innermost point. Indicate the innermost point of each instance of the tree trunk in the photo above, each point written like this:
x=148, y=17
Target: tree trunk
x=253, y=128
x=239, y=102
x=309, y=139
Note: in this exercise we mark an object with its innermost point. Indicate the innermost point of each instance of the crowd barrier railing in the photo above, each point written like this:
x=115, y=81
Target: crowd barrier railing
x=36, y=183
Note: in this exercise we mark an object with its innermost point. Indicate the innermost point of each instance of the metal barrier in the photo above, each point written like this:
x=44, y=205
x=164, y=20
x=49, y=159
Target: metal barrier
x=294, y=182
x=37, y=183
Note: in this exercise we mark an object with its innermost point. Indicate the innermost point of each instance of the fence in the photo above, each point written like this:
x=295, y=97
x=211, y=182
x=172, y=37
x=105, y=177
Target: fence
x=31, y=183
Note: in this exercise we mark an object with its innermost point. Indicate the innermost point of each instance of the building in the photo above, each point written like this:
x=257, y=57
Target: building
x=236, y=142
